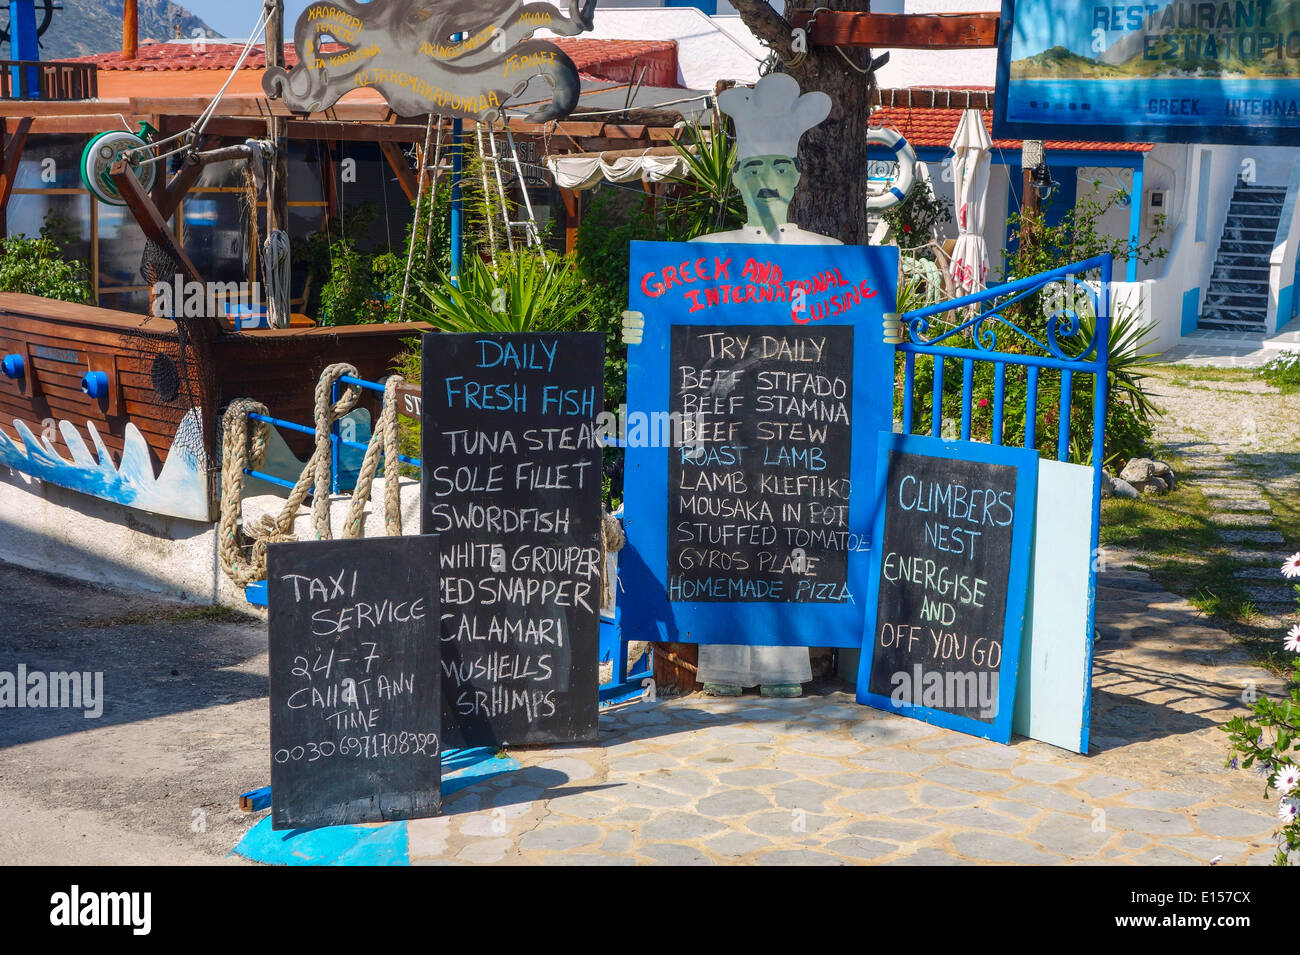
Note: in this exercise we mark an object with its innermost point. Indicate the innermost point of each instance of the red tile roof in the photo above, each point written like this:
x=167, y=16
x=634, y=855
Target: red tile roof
x=935, y=127
x=602, y=59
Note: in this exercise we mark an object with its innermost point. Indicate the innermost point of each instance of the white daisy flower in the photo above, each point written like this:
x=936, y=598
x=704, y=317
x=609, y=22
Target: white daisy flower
x=1264, y=769
x=1288, y=809
x=1292, y=641
x=1291, y=566
x=1287, y=779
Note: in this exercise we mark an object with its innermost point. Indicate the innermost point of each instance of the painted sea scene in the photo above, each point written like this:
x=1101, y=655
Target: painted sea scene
x=1161, y=72
x=178, y=489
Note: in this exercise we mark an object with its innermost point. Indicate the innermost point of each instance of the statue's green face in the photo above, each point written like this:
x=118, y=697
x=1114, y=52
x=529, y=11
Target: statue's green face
x=767, y=185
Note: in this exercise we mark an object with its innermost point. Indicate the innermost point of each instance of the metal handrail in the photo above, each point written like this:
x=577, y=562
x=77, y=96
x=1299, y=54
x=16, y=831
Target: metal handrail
x=337, y=441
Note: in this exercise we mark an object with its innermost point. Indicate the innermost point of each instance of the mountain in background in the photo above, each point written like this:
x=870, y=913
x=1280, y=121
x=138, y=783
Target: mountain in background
x=95, y=26
x=1057, y=62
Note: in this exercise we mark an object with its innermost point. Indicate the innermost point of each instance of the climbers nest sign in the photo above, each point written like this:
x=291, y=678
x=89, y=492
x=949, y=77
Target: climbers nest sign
x=448, y=57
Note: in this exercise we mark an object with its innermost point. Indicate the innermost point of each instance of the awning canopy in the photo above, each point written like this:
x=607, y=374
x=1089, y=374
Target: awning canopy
x=585, y=170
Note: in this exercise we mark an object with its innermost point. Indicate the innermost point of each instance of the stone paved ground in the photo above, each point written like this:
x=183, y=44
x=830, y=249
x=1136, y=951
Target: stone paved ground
x=1233, y=349
x=824, y=781
x=1239, y=442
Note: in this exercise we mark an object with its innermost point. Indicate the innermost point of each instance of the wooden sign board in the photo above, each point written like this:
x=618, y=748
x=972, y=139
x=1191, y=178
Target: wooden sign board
x=511, y=484
x=447, y=57
x=755, y=398
x=946, y=605
x=355, y=693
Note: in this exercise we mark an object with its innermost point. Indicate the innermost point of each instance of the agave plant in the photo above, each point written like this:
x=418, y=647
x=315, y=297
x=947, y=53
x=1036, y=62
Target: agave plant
x=1129, y=359
x=525, y=291
x=710, y=203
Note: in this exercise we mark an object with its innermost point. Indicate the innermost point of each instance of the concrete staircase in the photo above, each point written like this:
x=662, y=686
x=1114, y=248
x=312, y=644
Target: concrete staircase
x=1237, y=297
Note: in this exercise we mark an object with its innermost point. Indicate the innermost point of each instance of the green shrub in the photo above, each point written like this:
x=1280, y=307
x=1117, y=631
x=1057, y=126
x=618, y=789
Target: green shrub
x=1283, y=371
x=40, y=266
x=525, y=291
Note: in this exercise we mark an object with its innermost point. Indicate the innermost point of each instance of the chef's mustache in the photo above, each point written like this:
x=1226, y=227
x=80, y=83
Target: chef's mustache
x=768, y=194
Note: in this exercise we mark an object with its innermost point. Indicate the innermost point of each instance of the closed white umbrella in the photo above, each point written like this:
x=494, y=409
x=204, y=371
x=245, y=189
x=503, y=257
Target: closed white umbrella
x=971, y=147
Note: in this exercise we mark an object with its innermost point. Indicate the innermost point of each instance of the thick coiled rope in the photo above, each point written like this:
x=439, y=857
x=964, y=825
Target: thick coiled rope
x=243, y=549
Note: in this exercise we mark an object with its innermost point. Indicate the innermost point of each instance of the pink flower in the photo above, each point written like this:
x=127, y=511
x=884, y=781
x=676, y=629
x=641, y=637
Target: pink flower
x=1291, y=566
x=984, y=402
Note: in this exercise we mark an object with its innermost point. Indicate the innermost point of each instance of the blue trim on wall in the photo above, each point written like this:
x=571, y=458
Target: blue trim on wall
x=1191, y=309
x=1055, y=157
x=1134, y=226
x=1285, y=305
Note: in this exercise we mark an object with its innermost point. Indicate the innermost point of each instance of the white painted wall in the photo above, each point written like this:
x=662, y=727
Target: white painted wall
x=708, y=50
x=938, y=67
x=51, y=529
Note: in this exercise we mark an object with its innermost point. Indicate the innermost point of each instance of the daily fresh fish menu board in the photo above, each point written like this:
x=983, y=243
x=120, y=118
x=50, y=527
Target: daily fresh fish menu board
x=754, y=397
x=947, y=600
x=511, y=483
x=355, y=693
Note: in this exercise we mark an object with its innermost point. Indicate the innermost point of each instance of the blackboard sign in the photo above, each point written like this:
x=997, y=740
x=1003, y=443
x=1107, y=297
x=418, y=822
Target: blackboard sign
x=355, y=696
x=947, y=601
x=759, y=492
x=511, y=484
x=754, y=397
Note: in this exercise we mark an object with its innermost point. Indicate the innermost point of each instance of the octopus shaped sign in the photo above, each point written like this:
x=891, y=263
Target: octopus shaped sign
x=449, y=57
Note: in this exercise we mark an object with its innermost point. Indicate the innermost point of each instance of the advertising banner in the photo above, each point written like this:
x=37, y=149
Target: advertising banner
x=1207, y=72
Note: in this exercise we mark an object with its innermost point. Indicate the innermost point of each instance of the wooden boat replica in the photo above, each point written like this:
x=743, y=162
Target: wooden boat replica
x=125, y=407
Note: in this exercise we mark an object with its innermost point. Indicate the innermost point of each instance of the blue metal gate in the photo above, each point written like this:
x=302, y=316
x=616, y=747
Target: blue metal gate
x=1062, y=353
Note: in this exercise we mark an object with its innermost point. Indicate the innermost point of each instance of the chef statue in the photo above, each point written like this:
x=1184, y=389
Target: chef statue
x=769, y=120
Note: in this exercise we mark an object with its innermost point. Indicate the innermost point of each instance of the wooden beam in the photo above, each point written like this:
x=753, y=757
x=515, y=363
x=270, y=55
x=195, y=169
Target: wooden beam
x=572, y=218
x=902, y=31
x=150, y=219
x=405, y=174
x=179, y=185
x=11, y=152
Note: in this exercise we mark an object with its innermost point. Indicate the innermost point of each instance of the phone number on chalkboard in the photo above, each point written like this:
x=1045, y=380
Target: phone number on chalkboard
x=365, y=747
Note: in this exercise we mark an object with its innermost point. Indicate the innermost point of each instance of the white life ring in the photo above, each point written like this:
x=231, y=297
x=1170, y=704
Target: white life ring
x=906, y=178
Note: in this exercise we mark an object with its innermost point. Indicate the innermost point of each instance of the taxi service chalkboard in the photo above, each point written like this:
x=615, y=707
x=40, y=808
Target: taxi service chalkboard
x=511, y=484
x=946, y=605
x=754, y=402
x=355, y=693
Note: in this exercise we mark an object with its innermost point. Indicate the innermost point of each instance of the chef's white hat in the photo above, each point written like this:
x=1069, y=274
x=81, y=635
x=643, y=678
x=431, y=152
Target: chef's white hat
x=772, y=116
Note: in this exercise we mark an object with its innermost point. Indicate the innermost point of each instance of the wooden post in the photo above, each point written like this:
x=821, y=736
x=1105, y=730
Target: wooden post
x=572, y=200
x=11, y=152
x=277, y=199
x=277, y=187
x=151, y=221
x=1031, y=203
x=130, y=30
